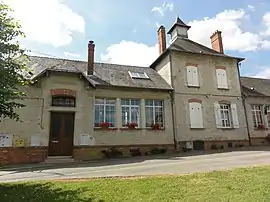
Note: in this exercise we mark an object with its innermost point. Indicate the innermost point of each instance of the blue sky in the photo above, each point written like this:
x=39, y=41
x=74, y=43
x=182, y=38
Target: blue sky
x=125, y=31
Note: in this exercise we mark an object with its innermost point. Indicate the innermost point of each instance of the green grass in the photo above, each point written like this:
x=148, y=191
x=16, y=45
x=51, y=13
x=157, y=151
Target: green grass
x=251, y=184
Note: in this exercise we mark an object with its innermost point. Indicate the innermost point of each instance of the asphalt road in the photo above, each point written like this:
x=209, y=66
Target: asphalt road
x=140, y=166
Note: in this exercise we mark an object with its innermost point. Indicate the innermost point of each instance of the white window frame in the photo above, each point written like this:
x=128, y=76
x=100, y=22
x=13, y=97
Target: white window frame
x=154, y=107
x=255, y=108
x=225, y=110
x=130, y=106
x=104, y=104
x=137, y=75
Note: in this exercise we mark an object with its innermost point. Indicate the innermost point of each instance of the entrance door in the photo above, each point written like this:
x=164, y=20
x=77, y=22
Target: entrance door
x=61, y=134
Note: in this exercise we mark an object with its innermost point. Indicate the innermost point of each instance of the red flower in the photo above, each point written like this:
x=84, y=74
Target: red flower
x=131, y=125
x=105, y=125
x=260, y=126
x=155, y=126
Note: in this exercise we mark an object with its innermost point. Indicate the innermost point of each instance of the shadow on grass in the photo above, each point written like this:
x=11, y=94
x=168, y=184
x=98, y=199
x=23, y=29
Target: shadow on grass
x=40, y=192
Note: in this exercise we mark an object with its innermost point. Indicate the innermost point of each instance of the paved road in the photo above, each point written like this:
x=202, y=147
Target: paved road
x=139, y=166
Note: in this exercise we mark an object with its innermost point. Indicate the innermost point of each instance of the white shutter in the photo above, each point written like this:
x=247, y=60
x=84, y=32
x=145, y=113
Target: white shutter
x=224, y=79
x=195, y=115
x=199, y=115
x=219, y=80
x=195, y=76
x=234, y=116
x=217, y=115
x=189, y=76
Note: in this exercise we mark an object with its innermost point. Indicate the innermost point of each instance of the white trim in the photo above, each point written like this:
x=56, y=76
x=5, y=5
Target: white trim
x=138, y=76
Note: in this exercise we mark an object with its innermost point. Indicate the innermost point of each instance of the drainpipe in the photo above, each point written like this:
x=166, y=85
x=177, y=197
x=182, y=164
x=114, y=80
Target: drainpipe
x=172, y=95
x=244, y=104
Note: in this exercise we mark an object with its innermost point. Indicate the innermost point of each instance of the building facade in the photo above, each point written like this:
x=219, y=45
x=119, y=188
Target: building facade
x=189, y=98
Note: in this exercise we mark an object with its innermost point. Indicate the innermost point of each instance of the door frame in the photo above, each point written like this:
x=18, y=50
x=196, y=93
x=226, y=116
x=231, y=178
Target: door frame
x=50, y=129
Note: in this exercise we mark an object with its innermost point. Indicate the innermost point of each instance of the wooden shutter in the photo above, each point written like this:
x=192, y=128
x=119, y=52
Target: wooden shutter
x=224, y=79
x=195, y=76
x=217, y=115
x=234, y=116
x=219, y=80
x=189, y=76
x=195, y=115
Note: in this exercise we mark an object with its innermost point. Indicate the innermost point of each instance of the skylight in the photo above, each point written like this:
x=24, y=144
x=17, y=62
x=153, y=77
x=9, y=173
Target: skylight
x=138, y=75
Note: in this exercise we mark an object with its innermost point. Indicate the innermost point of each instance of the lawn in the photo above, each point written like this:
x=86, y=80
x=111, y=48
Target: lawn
x=250, y=184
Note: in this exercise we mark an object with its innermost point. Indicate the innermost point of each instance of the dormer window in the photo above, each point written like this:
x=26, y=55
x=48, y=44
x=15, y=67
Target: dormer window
x=138, y=75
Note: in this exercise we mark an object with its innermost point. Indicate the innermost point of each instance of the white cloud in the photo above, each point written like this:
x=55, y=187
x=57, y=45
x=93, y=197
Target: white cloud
x=266, y=24
x=263, y=73
x=73, y=55
x=47, y=22
x=251, y=8
x=162, y=9
x=229, y=22
x=130, y=53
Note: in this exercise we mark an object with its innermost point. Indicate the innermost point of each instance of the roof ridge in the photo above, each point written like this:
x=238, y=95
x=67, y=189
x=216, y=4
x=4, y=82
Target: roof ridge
x=65, y=59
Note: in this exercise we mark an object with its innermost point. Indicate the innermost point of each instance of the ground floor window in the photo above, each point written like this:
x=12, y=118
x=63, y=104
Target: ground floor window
x=130, y=112
x=154, y=113
x=257, y=115
x=225, y=116
x=105, y=112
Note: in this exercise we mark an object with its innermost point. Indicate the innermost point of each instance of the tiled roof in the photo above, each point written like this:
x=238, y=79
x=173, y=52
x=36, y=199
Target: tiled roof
x=255, y=86
x=104, y=74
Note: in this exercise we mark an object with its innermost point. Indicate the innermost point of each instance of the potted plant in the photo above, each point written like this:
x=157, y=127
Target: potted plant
x=261, y=126
x=131, y=125
x=155, y=126
x=104, y=125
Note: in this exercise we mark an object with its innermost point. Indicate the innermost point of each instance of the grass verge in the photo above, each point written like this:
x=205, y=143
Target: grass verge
x=249, y=184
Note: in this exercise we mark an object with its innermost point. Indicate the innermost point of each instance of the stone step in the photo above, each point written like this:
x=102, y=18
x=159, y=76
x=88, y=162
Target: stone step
x=59, y=159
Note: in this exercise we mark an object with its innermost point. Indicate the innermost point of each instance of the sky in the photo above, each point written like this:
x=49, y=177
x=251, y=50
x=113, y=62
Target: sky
x=125, y=32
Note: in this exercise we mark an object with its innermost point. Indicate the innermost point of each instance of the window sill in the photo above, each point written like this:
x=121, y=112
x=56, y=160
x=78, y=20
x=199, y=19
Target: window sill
x=219, y=88
x=150, y=129
x=193, y=86
x=130, y=128
x=197, y=128
x=259, y=129
x=227, y=128
x=106, y=129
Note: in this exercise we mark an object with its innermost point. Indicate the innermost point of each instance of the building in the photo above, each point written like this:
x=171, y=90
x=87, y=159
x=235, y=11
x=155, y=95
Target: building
x=189, y=98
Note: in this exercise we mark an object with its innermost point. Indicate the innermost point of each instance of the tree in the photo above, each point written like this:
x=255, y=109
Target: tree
x=12, y=66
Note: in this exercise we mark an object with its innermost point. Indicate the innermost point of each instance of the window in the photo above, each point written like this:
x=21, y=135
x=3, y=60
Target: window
x=105, y=112
x=195, y=115
x=63, y=101
x=192, y=76
x=130, y=112
x=154, y=113
x=138, y=75
x=222, y=81
x=257, y=115
x=267, y=112
x=226, y=115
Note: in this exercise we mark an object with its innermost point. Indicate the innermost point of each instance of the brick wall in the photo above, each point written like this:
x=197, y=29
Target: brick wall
x=22, y=155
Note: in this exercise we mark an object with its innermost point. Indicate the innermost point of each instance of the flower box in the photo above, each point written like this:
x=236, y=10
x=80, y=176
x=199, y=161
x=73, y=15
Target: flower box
x=156, y=126
x=104, y=125
x=131, y=126
x=261, y=127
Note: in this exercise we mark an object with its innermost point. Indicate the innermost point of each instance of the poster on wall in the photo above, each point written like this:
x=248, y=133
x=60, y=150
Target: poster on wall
x=35, y=141
x=87, y=139
x=6, y=140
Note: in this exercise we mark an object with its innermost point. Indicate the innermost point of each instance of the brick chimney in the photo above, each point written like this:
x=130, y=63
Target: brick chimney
x=216, y=41
x=161, y=39
x=91, y=58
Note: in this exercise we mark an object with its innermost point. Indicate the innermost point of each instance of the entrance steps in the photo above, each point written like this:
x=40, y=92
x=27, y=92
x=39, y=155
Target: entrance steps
x=59, y=159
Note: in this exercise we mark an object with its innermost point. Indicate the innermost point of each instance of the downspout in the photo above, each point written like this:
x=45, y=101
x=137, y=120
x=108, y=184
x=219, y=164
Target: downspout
x=244, y=104
x=172, y=95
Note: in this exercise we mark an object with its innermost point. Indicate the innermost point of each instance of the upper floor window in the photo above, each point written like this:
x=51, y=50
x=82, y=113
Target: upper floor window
x=105, y=112
x=222, y=81
x=63, y=101
x=130, y=112
x=192, y=76
x=257, y=115
x=154, y=113
x=226, y=115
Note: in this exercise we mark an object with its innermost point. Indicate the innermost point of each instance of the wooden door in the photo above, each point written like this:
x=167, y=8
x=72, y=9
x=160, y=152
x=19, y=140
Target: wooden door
x=61, y=134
